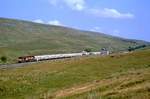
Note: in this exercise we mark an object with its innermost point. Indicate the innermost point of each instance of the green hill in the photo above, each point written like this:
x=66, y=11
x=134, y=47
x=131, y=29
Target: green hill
x=119, y=76
x=19, y=38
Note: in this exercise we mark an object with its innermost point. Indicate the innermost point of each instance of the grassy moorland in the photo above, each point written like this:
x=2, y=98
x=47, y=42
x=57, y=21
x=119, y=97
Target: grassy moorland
x=115, y=76
x=19, y=38
x=128, y=85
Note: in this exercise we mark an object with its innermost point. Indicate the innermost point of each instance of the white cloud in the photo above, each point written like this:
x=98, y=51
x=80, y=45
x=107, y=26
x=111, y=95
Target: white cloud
x=55, y=22
x=110, y=13
x=116, y=32
x=38, y=21
x=78, y=5
x=53, y=2
x=96, y=29
x=52, y=22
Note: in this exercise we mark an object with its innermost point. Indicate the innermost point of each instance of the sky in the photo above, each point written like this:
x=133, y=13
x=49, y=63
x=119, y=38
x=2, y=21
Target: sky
x=123, y=18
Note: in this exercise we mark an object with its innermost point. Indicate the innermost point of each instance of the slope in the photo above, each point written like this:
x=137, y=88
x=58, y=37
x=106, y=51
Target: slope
x=19, y=38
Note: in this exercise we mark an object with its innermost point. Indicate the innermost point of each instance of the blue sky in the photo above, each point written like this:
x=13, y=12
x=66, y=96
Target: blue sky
x=124, y=18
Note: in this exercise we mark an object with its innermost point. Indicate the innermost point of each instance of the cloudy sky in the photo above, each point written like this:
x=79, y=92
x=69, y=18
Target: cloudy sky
x=124, y=18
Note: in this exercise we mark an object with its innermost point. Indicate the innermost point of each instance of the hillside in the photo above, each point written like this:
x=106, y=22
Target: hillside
x=119, y=76
x=19, y=38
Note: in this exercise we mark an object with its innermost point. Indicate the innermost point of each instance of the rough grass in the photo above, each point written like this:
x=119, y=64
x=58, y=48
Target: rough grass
x=47, y=78
x=128, y=85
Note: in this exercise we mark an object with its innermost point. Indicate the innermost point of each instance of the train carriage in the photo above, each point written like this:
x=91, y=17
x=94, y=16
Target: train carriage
x=59, y=56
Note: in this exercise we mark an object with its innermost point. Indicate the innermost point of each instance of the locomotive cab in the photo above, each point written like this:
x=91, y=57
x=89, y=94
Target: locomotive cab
x=26, y=59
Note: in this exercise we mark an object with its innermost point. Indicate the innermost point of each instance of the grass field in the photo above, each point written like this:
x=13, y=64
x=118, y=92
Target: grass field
x=121, y=75
x=21, y=38
x=127, y=85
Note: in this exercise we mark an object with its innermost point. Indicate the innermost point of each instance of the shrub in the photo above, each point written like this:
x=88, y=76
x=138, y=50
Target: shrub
x=88, y=50
x=4, y=59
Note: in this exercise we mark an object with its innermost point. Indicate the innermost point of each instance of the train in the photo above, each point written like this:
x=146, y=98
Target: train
x=24, y=59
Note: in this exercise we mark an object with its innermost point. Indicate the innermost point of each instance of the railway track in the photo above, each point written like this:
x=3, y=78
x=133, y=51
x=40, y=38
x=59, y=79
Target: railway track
x=15, y=65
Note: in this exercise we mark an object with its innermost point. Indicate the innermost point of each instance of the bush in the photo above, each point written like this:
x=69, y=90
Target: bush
x=135, y=48
x=4, y=59
x=88, y=50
